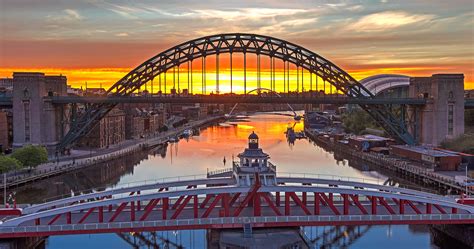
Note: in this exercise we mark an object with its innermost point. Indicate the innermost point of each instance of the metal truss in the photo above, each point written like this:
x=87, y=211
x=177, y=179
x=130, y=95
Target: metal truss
x=238, y=43
x=198, y=204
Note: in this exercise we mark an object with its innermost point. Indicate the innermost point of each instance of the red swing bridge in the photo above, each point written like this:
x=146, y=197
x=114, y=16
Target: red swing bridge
x=250, y=193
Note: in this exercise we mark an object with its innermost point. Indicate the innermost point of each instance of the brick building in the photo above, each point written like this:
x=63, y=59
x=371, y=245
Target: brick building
x=109, y=131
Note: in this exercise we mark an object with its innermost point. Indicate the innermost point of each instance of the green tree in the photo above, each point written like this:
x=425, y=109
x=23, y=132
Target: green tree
x=8, y=163
x=357, y=121
x=31, y=156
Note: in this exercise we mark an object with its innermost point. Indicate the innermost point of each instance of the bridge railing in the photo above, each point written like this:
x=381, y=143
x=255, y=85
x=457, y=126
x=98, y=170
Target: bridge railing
x=203, y=222
x=376, y=181
x=127, y=185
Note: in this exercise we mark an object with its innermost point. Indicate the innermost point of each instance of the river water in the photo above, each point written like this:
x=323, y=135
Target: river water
x=206, y=151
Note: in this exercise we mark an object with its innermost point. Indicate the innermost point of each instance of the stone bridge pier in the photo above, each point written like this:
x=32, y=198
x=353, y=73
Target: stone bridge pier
x=443, y=116
x=36, y=120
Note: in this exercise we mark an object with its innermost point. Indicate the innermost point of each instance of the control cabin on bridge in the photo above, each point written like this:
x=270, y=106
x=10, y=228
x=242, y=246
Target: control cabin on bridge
x=253, y=161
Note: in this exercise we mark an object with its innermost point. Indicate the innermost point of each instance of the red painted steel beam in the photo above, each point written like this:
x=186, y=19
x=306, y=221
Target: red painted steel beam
x=297, y=200
x=148, y=208
x=373, y=202
x=180, y=199
x=211, y=207
x=118, y=211
x=54, y=219
x=257, y=208
x=132, y=211
x=84, y=217
x=317, y=200
x=330, y=203
x=224, y=226
x=355, y=199
x=439, y=208
x=428, y=208
x=413, y=207
x=401, y=205
x=206, y=200
x=287, y=204
x=271, y=204
x=345, y=204
x=225, y=204
x=181, y=207
x=101, y=214
x=196, y=206
x=164, y=208
x=385, y=204
x=68, y=218
x=234, y=199
x=249, y=196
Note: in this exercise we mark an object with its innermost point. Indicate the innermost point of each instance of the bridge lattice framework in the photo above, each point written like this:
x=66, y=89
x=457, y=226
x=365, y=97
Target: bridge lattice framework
x=219, y=203
x=276, y=49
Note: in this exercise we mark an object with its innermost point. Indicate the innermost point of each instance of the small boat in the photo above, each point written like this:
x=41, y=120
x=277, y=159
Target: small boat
x=187, y=133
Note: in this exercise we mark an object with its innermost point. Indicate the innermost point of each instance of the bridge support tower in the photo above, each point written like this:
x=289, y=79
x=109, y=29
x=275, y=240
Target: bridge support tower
x=443, y=116
x=36, y=120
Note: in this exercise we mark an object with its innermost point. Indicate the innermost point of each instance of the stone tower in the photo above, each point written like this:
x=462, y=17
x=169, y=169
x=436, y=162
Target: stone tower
x=443, y=116
x=35, y=119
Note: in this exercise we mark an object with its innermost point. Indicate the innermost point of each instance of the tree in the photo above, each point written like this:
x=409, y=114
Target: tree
x=31, y=156
x=8, y=163
x=357, y=121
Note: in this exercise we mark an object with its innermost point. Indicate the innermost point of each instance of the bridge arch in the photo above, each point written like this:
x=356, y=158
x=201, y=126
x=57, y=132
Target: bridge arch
x=237, y=43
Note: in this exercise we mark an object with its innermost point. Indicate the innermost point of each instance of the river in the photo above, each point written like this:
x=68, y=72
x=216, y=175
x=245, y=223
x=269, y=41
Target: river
x=206, y=151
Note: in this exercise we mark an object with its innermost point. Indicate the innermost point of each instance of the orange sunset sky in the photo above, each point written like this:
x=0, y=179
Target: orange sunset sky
x=98, y=41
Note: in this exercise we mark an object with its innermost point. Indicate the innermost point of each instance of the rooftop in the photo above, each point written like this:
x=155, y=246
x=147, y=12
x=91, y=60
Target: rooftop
x=426, y=150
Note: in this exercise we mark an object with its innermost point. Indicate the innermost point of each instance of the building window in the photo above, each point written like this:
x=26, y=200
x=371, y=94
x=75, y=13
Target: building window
x=450, y=96
x=450, y=120
x=26, y=106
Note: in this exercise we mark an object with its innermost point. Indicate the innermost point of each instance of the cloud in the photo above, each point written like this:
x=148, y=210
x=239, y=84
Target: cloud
x=388, y=20
x=68, y=16
x=123, y=34
x=73, y=14
x=246, y=13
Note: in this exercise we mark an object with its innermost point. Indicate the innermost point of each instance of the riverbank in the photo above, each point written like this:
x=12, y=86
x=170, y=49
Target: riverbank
x=409, y=170
x=86, y=158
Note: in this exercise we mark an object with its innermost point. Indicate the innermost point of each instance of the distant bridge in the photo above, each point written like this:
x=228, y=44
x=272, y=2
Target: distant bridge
x=202, y=203
x=274, y=49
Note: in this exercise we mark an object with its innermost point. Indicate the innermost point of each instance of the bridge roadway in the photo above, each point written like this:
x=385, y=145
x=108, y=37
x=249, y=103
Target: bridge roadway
x=218, y=203
x=61, y=100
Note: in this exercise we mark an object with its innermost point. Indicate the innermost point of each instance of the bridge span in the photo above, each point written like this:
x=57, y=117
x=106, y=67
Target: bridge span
x=220, y=202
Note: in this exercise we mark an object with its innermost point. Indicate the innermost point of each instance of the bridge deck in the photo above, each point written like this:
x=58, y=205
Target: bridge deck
x=200, y=203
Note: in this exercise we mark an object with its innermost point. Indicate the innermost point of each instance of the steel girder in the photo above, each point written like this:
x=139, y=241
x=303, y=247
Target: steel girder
x=238, y=43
